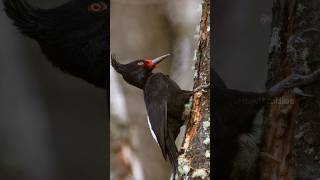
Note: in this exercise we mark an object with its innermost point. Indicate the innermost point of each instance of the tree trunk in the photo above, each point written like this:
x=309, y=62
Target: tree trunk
x=291, y=144
x=194, y=162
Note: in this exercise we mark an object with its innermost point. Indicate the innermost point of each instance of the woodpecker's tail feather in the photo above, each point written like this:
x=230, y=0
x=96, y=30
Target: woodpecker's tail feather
x=172, y=155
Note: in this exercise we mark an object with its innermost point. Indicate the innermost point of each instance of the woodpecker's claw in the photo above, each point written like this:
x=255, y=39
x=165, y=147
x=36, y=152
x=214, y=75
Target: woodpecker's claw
x=293, y=82
x=299, y=92
x=202, y=87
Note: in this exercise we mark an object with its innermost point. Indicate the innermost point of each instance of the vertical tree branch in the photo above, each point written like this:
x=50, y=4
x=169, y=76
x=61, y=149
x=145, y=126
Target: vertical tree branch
x=194, y=162
x=293, y=46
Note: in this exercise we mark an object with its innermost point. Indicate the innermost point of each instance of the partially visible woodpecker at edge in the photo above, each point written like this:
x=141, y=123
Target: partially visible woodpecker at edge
x=72, y=36
x=164, y=101
x=234, y=113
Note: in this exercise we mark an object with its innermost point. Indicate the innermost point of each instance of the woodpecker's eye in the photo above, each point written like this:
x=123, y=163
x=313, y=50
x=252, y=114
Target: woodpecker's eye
x=97, y=7
x=140, y=63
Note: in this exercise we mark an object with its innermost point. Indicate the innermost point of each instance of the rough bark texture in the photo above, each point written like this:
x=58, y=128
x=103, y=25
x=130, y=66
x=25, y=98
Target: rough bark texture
x=194, y=162
x=291, y=144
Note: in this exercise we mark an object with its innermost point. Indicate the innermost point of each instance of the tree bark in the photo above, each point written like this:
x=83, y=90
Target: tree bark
x=194, y=162
x=291, y=144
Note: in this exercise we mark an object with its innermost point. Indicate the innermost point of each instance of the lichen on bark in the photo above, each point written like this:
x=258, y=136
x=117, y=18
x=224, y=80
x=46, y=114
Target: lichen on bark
x=194, y=161
x=291, y=131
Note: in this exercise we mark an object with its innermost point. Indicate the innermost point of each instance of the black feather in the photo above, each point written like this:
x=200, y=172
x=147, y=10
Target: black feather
x=165, y=102
x=233, y=113
x=71, y=37
x=157, y=110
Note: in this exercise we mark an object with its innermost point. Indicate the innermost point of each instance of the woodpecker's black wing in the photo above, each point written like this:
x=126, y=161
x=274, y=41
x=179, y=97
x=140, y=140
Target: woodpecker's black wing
x=155, y=96
x=217, y=80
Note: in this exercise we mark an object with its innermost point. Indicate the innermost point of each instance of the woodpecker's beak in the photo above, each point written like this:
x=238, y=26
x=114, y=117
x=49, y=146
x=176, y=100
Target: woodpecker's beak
x=159, y=59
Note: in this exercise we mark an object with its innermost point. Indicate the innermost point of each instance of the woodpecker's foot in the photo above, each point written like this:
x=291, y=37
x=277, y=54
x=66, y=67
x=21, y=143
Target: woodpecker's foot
x=299, y=92
x=201, y=88
x=293, y=82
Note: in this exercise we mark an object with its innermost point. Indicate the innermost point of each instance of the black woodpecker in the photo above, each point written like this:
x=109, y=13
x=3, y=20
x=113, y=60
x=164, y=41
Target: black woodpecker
x=234, y=112
x=72, y=36
x=164, y=101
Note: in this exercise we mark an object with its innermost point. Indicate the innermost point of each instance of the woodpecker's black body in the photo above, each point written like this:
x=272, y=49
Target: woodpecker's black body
x=164, y=101
x=72, y=36
x=233, y=113
x=165, y=104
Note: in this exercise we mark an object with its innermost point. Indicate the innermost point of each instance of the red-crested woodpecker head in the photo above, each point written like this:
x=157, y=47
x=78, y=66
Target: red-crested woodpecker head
x=136, y=72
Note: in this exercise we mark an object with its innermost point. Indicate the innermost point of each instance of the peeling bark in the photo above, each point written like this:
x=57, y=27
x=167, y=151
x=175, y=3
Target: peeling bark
x=291, y=130
x=194, y=161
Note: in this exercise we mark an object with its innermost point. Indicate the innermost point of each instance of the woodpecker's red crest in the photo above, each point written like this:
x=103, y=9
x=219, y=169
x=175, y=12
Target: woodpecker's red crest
x=149, y=64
